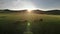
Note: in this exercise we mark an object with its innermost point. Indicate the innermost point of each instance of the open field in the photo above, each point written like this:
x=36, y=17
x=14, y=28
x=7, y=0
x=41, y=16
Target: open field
x=15, y=23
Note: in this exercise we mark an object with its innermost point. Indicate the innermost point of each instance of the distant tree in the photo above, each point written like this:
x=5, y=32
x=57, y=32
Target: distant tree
x=6, y=10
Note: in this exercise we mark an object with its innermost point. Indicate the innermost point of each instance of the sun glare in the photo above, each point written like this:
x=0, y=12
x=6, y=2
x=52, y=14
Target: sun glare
x=29, y=6
x=29, y=10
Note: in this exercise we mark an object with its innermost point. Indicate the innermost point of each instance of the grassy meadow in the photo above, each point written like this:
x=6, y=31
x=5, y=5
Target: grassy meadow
x=15, y=23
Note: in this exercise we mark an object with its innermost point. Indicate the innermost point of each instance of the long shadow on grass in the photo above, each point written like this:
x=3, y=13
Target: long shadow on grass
x=18, y=27
x=41, y=27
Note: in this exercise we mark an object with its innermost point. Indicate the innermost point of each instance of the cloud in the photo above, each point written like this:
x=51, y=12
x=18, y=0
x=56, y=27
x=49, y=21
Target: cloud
x=8, y=3
x=21, y=4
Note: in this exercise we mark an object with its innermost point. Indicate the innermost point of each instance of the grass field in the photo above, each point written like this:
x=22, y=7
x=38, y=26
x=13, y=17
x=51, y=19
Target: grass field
x=15, y=23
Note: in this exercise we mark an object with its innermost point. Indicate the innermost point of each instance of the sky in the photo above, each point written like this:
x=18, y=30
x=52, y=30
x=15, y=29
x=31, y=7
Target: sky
x=30, y=4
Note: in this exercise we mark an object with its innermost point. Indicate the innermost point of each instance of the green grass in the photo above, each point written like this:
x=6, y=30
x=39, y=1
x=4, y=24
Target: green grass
x=49, y=25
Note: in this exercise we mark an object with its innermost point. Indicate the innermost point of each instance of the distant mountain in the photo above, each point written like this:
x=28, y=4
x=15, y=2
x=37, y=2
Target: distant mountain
x=10, y=11
x=38, y=11
x=53, y=12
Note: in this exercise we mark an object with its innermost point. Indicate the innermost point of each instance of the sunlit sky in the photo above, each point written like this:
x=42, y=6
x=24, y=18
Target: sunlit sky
x=30, y=4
